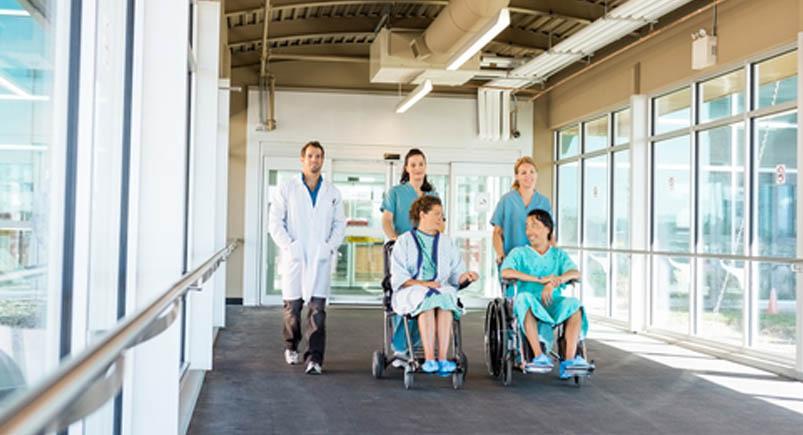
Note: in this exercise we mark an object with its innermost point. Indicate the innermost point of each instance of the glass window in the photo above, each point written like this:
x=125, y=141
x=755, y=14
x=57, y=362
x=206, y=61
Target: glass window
x=621, y=199
x=621, y=127
x=671, y=195
x=776, y=287
x=722, y=284
x=568, y=204
x=672, y=111
x=573, y=290
x=670, y=302
x=595, y=282
x=26, y=79
x=721, y=202
x=621, y=286
x=722, y=96
x=596, y=134
x=775, y=145
x=776, y=80
x=568, y=142
x=595, y=202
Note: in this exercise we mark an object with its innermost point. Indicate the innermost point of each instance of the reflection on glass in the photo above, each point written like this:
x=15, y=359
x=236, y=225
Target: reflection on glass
x=568, y=142
x=670, y=302
x=272, y=277
x=359, y=268
x=26, y=62
x=721, y=189
x=621, y=286
x=722, y=284
x=776, y=288
x=672, y=111
x=722, y=96
x=621, y=127
x=776, y=80
x=568, y=204
x=671, y=193
x=595, y=202
x=473, y=230
x=775, y=144
x=595, y=282
x=596, y=134
x=621, y=199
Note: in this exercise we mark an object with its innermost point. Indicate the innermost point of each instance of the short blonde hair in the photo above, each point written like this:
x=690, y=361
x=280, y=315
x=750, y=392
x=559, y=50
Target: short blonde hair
x=526, y=160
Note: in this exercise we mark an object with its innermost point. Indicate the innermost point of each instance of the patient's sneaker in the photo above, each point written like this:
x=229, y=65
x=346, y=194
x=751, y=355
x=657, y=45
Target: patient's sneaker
x=430, y=366
x=447, y=367
x=291, y=357
x=573, y=365
x=539, y=364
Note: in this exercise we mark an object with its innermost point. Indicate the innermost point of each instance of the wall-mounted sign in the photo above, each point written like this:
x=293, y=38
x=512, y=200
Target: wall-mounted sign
x=780, y=174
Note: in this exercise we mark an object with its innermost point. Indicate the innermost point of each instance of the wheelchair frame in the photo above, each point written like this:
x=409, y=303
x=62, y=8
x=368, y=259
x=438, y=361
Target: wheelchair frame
x=414, y=358
x=507, y=342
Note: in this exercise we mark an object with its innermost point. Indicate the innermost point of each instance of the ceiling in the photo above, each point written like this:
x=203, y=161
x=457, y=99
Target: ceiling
x=326, y=43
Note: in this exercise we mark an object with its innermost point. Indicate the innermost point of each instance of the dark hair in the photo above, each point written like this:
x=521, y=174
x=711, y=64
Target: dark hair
x=315, y=144
x=423, y=205
x=543, y=217
x=405, y=177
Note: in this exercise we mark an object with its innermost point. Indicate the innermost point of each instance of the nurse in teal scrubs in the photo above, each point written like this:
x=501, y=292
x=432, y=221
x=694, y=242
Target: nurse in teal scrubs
x=396, y=221
x=509, y=218
x=542, y=271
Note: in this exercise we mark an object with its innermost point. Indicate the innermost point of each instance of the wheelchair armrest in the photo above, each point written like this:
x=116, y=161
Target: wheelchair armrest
x=572, y=282
x=464, y=284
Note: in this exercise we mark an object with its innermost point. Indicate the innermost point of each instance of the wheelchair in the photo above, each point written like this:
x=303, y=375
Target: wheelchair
x=414, y=357
x=507, y=347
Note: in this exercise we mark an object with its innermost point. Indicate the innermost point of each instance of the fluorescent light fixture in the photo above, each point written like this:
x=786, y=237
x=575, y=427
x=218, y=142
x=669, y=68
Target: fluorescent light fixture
x=480, y=39
x=13, y=97
x=418, y=93
x=14, y=13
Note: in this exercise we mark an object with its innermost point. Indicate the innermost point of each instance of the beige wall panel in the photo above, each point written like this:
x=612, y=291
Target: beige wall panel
x=746, y=28
x=542, y=148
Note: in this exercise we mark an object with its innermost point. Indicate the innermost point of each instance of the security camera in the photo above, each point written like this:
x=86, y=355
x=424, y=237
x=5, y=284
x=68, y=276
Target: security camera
x=516, y=134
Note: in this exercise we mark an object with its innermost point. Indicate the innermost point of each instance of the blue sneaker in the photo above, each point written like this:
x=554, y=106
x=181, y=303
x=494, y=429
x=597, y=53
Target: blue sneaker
x=430, y=366
x=539, y=364
x=447, y=367
x=564, y=365
x=580, y=363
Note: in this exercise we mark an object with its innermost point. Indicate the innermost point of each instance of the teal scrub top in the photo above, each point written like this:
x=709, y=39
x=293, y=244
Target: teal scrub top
x=526, y=259
x=511, y=216
x=398, y=201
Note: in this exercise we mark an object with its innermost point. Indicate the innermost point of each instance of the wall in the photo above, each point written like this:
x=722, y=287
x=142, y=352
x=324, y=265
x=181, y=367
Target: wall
x=361, y=125
x=745, y=28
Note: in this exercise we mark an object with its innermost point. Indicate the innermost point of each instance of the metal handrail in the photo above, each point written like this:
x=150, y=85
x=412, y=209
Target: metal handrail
x=92, y=377
x=792, y=261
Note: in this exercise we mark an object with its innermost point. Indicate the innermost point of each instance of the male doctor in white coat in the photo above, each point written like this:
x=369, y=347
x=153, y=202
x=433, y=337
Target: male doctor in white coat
x=307, y=224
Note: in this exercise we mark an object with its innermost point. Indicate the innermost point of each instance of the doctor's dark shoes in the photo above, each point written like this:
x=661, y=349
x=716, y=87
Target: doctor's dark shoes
x=291, y=357
x=313, y=368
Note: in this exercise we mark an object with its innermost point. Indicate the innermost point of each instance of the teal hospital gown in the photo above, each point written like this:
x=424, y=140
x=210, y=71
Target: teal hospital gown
x=556, y=262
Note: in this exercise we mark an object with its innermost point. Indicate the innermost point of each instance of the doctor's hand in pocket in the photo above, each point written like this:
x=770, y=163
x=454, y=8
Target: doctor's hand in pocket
x=296, y=250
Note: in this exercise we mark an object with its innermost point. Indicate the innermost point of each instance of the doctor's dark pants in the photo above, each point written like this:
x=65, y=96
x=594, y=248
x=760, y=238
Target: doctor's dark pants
x=316, y=327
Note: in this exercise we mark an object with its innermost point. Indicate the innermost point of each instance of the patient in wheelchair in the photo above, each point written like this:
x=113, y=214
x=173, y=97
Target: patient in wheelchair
x=543, y=271
x=426, y=272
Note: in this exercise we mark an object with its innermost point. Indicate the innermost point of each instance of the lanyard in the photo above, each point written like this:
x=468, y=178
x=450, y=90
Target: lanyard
x=420, y=248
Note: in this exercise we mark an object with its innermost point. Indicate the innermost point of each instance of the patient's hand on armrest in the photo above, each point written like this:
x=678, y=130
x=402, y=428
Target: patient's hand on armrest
x=468, y=277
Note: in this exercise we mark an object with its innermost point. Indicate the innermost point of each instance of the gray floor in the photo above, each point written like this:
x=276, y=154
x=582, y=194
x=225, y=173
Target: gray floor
x=252, y=391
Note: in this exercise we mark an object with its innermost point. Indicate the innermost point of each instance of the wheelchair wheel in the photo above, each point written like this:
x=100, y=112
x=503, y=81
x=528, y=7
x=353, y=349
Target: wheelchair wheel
x=496, y=341
x=378, y=364
x=463, y=363
x=408, y=378
x=578, y=380
x=457, y=380
x=507, y=372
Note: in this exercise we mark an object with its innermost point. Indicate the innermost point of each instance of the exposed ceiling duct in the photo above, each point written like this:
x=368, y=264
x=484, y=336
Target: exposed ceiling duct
x=611, y=27
x=446, y=53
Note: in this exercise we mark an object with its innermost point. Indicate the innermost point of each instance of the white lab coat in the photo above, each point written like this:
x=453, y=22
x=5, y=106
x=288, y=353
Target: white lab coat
x=308, y=237
x=404, y=261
